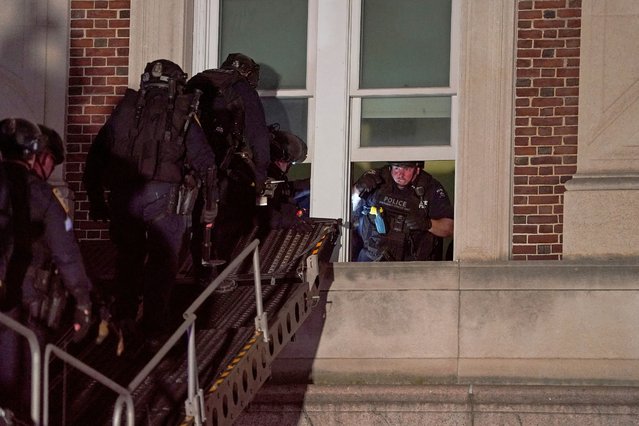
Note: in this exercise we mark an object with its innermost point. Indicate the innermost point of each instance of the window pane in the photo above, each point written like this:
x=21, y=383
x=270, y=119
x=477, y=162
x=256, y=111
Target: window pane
x=273, y=33
x=421, y=121
x=405, y=43
x=290, y=113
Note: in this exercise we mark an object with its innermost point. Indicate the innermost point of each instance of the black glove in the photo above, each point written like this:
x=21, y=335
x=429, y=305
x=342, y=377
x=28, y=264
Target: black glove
x=368, y=181
x=81, y=322
x=98, y=209
x=303, y=225
x=417, y=222
x=209, y=215
x=259, y=188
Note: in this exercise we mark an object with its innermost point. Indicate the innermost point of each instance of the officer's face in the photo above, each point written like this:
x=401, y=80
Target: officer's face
x=43, y=165
x=403, y=175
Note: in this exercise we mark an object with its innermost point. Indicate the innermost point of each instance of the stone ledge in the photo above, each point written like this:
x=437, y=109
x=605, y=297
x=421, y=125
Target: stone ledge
x=442, y=405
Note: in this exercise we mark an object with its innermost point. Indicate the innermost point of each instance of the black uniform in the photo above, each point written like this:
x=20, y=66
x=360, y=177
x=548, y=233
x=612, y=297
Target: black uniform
x=233, y=119
x=143, y=171
x=6, y=236
x=43, y=235
x=382, y=214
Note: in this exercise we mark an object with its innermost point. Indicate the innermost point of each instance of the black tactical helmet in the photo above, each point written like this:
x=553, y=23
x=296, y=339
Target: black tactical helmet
x=52, y=142
x=419, y=164
x=19, y=138
x=285, y=146
x=161, y=72
x=245, y=65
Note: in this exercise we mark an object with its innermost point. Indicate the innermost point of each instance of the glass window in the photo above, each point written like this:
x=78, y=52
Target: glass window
x=405, y=43
x=420, y=121
x=290, y=113
x=273, y=33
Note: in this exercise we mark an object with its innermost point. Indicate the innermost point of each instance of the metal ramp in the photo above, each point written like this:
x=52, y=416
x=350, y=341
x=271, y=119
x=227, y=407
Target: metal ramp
x=219, y=356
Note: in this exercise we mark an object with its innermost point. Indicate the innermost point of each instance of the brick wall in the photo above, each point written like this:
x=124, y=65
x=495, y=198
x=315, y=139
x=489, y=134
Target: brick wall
x=546, y=102
x=98, y=76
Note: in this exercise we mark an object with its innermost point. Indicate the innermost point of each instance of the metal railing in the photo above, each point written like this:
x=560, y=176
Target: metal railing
x=194, y=403
x=36, y=363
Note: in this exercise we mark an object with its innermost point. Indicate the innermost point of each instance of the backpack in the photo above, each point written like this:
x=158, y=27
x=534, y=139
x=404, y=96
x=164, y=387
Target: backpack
x=221, y=112
x=149, y=130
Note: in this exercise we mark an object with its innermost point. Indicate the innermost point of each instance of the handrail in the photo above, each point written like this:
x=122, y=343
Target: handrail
x=36, y=363
x=188, y=325
x=194, y=401
x=94, y=374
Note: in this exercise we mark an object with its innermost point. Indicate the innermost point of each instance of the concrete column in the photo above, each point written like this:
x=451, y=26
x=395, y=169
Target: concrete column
x=483, y=202
x=602, y=199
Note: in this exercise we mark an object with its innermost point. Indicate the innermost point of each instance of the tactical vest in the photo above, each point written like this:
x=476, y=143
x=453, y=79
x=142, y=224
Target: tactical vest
x=148, y=142
x=221, y=112
x=383, y=228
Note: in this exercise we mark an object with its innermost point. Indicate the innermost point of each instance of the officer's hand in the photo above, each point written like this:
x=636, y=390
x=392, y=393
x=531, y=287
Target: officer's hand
x=303, y=225
x=81, y=322
x=98, y=210
x=209, y=215
x=259, y=188
x=416, y=222
x=368, y=182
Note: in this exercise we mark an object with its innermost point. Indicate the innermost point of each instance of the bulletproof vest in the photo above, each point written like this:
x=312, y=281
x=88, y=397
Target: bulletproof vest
x=148, y=144
x=392, y=206
x=20, y=259
x=221, y=111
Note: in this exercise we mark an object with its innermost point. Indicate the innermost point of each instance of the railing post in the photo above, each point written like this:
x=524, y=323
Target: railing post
x=36, y=363
x=194, y=405
x=261, y=322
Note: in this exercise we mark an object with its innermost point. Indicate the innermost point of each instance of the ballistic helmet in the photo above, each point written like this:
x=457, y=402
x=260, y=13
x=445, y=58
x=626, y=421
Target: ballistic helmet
x=19, y=138
x=245, y=66
x=52, y=142
x=285, y=146
x=161, y=72
x=419, y=164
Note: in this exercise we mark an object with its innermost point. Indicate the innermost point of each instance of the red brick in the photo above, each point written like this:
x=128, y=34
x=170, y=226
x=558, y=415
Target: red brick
x=549, y=23
x=524, y=249
x=106, y=14
x=543, y=199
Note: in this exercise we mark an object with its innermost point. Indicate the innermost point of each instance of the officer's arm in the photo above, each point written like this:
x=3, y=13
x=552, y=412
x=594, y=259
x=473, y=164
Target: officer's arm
x=443, y=227
x=255, y=130
x=65, y=251
x=201, y=158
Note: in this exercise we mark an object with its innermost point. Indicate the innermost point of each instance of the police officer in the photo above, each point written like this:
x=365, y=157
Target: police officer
x=401, y=213
x=6, y=237
x=284, y=209
x=43, y=240
x=151, y=154
x=233, y=119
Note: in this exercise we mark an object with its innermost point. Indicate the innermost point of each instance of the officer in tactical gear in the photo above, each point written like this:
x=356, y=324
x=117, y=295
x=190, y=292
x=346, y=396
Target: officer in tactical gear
x=285, y=207
x=233, y=119
x=44, y=250
x=401, y=214
x=153, y=158
x=6, y=237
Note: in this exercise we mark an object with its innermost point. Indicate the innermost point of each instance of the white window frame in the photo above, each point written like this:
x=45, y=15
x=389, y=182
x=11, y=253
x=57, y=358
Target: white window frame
x=358, y=153
x=206, y=43
x=334, y=99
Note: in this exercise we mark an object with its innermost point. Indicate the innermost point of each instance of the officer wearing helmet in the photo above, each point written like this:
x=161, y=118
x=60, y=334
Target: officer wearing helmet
x=285, y=207
x=44, y=246
x=401, y=213
x=152, y=157
x=233, y=119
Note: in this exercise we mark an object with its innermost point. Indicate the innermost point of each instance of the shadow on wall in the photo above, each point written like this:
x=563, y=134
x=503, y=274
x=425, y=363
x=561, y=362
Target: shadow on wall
x=28, y=30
